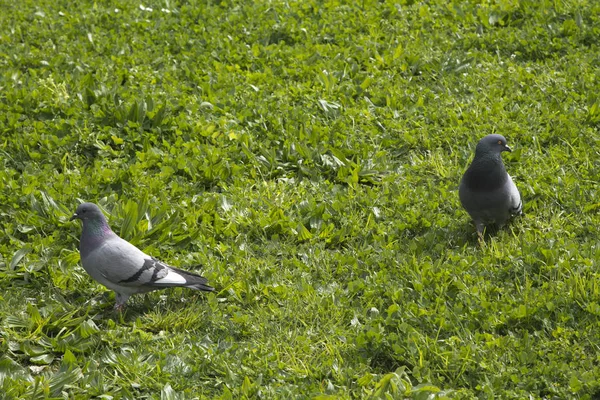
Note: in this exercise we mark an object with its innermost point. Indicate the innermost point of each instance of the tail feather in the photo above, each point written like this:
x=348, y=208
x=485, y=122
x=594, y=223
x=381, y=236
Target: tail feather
x=518, y=210
x=194, y=281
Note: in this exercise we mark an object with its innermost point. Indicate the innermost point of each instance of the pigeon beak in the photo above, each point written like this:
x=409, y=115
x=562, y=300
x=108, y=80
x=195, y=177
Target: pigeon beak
x=74, y=216
x=506, y=148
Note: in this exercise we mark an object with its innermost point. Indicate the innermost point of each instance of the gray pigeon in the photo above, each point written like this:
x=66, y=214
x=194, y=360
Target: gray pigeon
x=486, y=191
x=122, y=267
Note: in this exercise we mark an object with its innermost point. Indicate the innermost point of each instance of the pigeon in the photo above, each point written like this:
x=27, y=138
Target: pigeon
x=122, y=267
x=486, y=190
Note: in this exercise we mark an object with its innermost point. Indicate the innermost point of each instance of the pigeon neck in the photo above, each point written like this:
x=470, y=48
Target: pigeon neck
x=94, y=232
x=486, y=172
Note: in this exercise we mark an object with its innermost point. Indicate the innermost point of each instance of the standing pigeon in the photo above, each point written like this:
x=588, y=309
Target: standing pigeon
x=122, y=267
x=486, y=191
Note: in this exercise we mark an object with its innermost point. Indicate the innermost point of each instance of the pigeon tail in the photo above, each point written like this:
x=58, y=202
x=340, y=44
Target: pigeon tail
x=194, y=281
x=518, y=210
x=201, y=286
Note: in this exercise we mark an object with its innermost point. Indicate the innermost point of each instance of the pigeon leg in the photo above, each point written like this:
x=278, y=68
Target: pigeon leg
x=121, y=300
x=480, y=230
x=119, y=308
x=480, y=239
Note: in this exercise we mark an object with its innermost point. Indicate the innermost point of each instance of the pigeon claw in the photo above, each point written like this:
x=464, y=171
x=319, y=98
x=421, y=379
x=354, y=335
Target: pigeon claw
x=119, y=307
x=480, y=238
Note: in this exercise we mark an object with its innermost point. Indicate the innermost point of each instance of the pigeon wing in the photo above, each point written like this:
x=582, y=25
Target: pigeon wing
x=515, y=205
x=119, y=262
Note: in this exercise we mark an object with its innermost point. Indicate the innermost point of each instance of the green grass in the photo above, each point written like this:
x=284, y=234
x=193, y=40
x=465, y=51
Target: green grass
x=307, y=155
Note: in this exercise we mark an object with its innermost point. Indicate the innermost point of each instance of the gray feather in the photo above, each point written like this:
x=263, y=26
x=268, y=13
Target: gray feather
x=486, y=190
x=122, y=267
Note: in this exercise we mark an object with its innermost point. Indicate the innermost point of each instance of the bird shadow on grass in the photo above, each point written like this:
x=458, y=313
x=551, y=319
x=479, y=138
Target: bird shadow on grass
x=465, y=234
x=491, y=231
x=143, y=305
x=78, y=299
x=102, y=305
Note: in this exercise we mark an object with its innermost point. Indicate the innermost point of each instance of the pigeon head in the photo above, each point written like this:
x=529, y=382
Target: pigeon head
x=491, y=144
x=88, y=211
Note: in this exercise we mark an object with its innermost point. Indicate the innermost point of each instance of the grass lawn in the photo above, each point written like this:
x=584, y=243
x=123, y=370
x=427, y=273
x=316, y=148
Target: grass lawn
x=305, y=157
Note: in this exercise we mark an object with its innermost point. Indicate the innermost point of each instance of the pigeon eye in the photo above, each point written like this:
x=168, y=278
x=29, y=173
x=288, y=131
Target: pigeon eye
x=499, y=141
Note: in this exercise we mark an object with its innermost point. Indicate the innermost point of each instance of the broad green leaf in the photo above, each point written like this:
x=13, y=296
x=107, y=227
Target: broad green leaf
x=18, y=256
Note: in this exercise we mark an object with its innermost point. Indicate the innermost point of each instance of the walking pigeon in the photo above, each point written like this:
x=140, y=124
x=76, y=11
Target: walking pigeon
x=486, y=191
x=122, y=267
